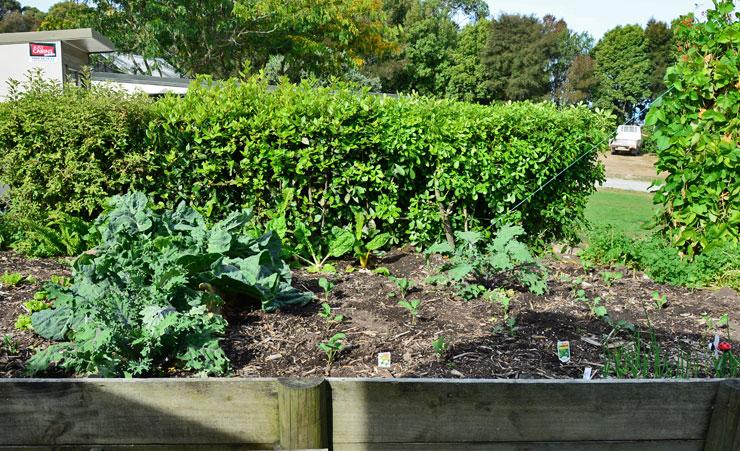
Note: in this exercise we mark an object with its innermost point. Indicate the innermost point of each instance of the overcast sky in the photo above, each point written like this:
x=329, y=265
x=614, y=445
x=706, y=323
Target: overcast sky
x=593, y=16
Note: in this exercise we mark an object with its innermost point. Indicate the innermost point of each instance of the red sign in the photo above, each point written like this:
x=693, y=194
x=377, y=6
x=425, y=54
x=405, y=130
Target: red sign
x=43, y=50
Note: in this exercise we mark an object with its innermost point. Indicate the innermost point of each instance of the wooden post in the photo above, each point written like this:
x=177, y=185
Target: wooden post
x=724, y=428
x=303, y=409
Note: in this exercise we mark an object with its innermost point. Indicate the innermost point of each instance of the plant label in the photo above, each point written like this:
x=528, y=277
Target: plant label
x=564, y=351
x=587, y=373
x=384, y=360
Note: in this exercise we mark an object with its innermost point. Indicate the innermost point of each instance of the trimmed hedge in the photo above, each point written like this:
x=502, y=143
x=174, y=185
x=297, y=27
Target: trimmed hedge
x=69, y=149
x=318, y=154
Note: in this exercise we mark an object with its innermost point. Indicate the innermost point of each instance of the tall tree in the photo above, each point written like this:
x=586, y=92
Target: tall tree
x=660, y=49
x=572, y=47
x=622, y=70
x=466, y=76
x=67, y=15
x=14, y=19
x=313, y=37
x=580, y=81
x=518, y=56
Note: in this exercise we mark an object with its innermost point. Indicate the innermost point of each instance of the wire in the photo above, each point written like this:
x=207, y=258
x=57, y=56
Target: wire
x=595, y=146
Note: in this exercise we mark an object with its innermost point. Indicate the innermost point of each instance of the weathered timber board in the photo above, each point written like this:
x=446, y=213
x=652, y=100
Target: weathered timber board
x=433, y=411
x=140, y=411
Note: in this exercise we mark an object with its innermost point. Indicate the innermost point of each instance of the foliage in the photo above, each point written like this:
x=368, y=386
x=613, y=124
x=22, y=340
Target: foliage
x=660, y=300
x=622, y=70
x=440, y=346
x=15, y=19
x=660, y=49
x=11, y=279
x=609, y=277
x=404, y=285
x=639, y=360
x=330, y=317
x=580, y=81
x=662, y=262
x=412, y=307
x=66, y=150
x=331, y=348
x=517, y=55
x=62, y=234
x=10, y=344
x=23, y=322
x=327, y=286
x=697, y=132
x=150, y=294
x=341, y=152
x=503, y=257
x=68, y=14
x=466, y=73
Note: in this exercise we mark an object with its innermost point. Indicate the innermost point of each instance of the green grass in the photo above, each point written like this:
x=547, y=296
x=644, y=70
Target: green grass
x=627, y=211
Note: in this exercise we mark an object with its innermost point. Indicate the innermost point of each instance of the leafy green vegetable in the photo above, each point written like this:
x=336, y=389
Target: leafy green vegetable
x=150, y=295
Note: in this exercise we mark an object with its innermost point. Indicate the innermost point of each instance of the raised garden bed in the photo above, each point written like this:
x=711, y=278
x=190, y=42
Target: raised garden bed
x=285, y=343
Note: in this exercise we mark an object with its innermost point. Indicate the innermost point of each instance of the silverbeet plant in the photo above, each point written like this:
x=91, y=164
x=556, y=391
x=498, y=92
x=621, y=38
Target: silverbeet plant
x=149, y=297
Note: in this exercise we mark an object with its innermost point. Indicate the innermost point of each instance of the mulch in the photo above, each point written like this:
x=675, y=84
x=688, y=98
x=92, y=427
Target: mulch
x=285, y=343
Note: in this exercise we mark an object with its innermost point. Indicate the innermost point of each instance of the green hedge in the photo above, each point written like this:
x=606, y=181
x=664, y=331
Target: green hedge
x=69, y=149
x=318, y=154
x=332, y=152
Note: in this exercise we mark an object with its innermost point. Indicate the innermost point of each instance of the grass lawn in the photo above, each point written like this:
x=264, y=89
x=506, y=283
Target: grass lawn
x=625, y=210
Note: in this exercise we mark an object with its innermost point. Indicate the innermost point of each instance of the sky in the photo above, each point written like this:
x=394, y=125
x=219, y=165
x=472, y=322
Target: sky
x=593, y=16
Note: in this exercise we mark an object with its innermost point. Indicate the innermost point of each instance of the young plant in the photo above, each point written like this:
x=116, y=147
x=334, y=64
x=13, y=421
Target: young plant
x=23, y=322
x=10, y=344
x=367, y=240
x=609, y=277
x=439, y=345
x=329, y=316
x=713, y=324
x=62, y=281
x=598, y=310
x=331, y=348
x=315, y=252
x=660, y=301
x=327, y=286
x=11, y=279
x=412, y=307
x=404, y=285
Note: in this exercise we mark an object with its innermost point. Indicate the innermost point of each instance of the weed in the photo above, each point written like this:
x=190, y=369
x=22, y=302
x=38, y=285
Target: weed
x=331, y=348
x=412, y=307
x=712, y=324
x=10, y=344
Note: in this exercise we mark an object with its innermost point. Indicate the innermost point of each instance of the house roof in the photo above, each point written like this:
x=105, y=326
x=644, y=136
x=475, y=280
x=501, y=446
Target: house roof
x=84, y=39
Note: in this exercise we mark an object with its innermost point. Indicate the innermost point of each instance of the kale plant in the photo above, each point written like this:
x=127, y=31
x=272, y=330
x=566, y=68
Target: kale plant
x=503, y=259
x=149, y=297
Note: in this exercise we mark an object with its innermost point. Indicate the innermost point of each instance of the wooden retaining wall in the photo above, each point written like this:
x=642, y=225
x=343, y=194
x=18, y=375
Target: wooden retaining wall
x=369, y=414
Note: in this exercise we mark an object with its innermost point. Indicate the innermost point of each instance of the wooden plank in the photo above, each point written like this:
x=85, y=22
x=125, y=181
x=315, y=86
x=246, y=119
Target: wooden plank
x=139, y=411
x=304, y=413
x=665, y=445
x=443, y=411
x=724, y=428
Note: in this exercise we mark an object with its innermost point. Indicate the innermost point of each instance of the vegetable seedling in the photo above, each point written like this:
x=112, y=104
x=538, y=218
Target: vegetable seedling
x=609, y=277
x=10, y=345
x=331, y=348
x=11, y=279
x=412, y=307
x=330, y=317
x=660, y=301
x=404, y=285
x=440, y=346
x=327, y=286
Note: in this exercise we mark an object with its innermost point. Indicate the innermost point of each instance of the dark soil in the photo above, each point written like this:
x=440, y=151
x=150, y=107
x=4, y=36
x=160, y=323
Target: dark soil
x=480, y=345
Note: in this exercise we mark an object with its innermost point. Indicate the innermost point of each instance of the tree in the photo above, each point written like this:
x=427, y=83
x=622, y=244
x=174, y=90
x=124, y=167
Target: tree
x=660, y=48
x=67, y=15
x=518, y=56
x=580, y=81
x=467, y=75
x=572, y=47
x=16, y=19
x=622, y=70
x=217, y=37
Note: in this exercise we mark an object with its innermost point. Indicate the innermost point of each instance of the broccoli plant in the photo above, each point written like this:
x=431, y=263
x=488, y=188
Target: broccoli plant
x=329, y=316
x=471, y=262
x=439, y=345
x=404, y=285
x=327, y=286
x=412, y=307
x=331, y=348
x=150, y=296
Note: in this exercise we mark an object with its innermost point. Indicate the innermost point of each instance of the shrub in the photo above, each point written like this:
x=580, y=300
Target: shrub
x=69, y=149
x=663, y=262
x=151, y=294
x=403, y=162
x=697, y=131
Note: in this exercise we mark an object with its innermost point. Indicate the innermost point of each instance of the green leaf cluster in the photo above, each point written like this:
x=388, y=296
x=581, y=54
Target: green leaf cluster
x=697, y=133
x=475, y=262
x=149, y=296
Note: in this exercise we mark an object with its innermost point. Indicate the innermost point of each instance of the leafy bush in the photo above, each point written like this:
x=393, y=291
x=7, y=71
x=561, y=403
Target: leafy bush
x=69, y=149
x=62, y=234
x=151, y=293
x=322, y=155
x=661, y=261
x=697, y=132
x=504, y=259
